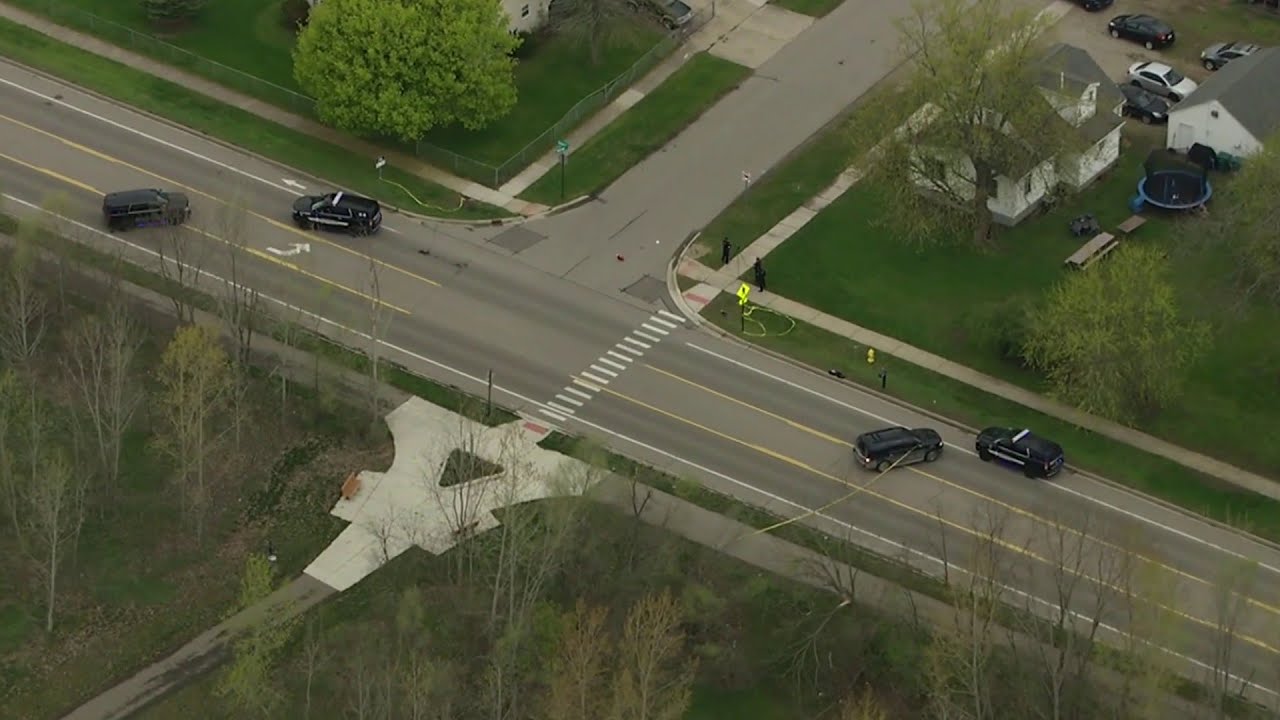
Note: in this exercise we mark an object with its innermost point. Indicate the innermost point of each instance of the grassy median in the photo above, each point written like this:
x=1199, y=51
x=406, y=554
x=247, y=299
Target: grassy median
x=233, y=125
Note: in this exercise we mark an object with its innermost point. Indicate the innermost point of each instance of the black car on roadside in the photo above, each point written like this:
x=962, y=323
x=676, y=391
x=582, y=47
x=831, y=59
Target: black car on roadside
x=880, y=450
x=338, y=211
x=1152, y=32
x=1036, y=456
x=144, y=208
x=1144, y=105
x=1094, y=5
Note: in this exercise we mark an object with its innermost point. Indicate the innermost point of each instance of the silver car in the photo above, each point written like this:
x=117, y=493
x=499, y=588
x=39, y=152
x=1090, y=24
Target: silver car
x=1161, y=80
x=1215, y=56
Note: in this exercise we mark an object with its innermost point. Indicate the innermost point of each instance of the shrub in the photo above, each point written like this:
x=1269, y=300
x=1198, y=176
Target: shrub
x=294, y=14
x=1003, y=328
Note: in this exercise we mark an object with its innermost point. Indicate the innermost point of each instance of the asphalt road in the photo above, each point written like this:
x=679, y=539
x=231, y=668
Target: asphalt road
x=454, y=306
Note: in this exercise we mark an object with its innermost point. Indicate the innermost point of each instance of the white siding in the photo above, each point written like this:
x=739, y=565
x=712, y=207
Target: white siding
x=1014, y=198
x=1198, y=124
x=1080, y=170
x=526, y=15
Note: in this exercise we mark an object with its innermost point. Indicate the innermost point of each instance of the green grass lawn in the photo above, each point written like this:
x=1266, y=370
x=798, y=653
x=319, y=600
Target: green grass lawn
x=812, y=8
x=642, y=129
x=232, y=125
x=968, y=405
x=1201, y=24
x=847, y=262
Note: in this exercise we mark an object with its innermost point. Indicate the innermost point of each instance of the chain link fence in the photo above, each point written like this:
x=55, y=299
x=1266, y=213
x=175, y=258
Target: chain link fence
x=491, y=175
x=150, y=46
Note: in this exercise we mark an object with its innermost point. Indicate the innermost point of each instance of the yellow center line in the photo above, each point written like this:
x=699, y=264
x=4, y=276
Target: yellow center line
x=999, y=542
x=312, y=237
x=52, y=174
x=943, y=481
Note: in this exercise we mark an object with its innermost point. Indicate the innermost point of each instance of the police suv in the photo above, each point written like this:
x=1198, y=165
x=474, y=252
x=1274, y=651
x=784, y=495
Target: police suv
x=144, y=208
x=1038, y=457
x=338, y=211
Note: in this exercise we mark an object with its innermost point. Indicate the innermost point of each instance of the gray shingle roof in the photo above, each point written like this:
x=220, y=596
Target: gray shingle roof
x=1247, y=88
x=1069, y=70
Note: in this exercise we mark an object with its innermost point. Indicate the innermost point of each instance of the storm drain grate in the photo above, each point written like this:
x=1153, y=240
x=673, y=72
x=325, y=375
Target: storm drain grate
x=517, y=239
x=647, y=288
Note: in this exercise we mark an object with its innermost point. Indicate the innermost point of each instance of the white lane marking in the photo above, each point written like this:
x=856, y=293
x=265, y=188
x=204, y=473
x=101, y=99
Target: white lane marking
x=483, y=382
x=578, y=392
x=598, y=381
x=618, y=355
x=651, y=328
x=1154, y=523
x=646, y=336
x=673, y=316
x=611, y=363
x=589, y=386
x=572, y=401
x=637, y=343
x=663, y=321
x=630, y=349
x=604, y=371
x=560, y=408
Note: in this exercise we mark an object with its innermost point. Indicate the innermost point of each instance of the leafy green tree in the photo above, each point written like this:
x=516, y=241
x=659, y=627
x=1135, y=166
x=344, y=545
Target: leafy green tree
x=978, y=112
x=1112, y=340
x=171, y=12
x=1243, y=225
x=248, y=685
x=595, y=23
x=398, y=68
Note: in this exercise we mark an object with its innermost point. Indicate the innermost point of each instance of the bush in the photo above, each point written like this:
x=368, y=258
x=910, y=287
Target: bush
x=1002, y=328
x=295, y=13
x=170, y=13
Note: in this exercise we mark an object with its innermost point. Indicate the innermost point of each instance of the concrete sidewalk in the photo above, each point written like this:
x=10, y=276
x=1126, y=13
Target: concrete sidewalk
x=198, y=84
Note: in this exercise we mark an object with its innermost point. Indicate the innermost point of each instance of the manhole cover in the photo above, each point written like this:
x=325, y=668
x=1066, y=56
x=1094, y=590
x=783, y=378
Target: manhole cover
x=517, y=239
x=647, y=288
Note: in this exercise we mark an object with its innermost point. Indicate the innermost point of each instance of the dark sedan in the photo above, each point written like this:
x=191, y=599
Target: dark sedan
x=1144, y=105
x=1152, y=32
x=1094, y=5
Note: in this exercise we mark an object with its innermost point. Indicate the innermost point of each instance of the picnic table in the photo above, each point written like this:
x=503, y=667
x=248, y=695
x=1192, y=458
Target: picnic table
x=1092, y=251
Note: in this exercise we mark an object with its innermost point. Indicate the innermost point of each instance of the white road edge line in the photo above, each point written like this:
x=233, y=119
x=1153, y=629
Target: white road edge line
x=630, y=349
x=1102, y=503
x=673, y=316
x=483, y=382
x=578, y=392
x=605, y=371
x=663, y=321
x=651, y=328
x=565, y=398
x=560, y=408
x=598, y=381
x=611, y=363
x=619, y=356
x=646, y=336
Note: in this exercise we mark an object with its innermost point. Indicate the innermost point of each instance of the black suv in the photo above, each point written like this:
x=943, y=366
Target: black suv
x=1038, y=457
x=143, y=208
x=882, y=449
x=339, y=210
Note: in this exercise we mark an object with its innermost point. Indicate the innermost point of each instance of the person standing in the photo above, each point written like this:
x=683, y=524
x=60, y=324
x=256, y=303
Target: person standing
x=726, y=251
x=758, y=267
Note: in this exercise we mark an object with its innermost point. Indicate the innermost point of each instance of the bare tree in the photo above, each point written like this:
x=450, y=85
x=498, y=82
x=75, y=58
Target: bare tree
x=12, y=403
x=654, y=681
x=863, y=707
x=54, y=220
x=55, y=513
x=195, y=382
x=314, y=659
x=459, y=492
x=100, y=362
x=596, y=23
x=1232, y=594
x=181, y=263
x=24, y=305
x=238, y=304
x=580, y=678
x=1146, y=628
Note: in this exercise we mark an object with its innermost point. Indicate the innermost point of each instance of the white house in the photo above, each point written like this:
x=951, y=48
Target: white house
x=524, y=15
x=1234, y=110
x=1085, y=98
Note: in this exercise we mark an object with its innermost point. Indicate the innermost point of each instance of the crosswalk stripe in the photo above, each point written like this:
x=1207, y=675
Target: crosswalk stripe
x=663, y=321
x=650, y=338
x=630, y=349
x=611, y=363
x=589, y=386
x=578, y=392
x=599, y=381
x=560, y=408
x=634, y=341
x=552, y=415
x=671, y=315
x=658, y=330
x=620, y=356
x=566, y=398
x=606, y=371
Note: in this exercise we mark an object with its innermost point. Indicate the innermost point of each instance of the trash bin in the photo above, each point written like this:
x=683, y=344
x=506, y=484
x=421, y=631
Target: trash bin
x=1228, y=162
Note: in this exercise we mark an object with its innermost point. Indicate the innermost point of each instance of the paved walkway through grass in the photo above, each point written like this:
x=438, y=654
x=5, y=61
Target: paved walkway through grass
x=728, y=279
x=267, y=111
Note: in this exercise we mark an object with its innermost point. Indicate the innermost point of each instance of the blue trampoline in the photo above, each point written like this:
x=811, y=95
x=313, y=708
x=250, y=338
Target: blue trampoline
x=1174, y=182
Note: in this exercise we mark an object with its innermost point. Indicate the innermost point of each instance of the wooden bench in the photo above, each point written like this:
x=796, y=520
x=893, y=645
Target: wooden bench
x=350, y=486
x=1133, y=223
x=1093, y=250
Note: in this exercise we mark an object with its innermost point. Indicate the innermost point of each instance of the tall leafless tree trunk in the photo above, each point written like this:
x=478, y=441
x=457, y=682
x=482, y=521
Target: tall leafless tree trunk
x=654, y=680
x=1232, y=592
x=55, y=513
x=182, y=259
x=378, y=321
x=238, y=306
x=13, y=399
x=580, y=678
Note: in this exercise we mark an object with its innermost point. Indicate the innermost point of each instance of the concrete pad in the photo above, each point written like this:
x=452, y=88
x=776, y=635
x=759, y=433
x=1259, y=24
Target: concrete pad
x=628, y=98
x=777, y=22
x=701, y=295
x=797, y=219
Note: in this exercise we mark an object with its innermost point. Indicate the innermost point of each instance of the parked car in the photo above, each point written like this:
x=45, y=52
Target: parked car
x=671, y=13
x=882, y=449
x=1152, y=32
x=1215, y=56
x=1144, y=105
x=1094, y=5
x=1036, y=456
x=339, y=210
x=144, y=208
x=1161, y=80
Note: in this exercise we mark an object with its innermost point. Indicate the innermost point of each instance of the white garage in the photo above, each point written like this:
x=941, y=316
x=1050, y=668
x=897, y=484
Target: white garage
x=1234, y=110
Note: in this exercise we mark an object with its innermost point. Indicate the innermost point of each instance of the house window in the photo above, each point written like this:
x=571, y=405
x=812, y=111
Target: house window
x=524, y=11
x=1026, y=186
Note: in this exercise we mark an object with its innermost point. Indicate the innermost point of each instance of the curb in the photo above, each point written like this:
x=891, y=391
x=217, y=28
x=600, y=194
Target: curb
x=677, y=297
x=231, y=146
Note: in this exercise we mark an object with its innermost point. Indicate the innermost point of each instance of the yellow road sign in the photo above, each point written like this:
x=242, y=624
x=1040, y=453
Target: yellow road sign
x=744, y=292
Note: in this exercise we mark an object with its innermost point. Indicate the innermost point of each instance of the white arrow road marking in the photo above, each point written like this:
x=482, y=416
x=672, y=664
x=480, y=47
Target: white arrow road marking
x=294, y=184
x=294, y=249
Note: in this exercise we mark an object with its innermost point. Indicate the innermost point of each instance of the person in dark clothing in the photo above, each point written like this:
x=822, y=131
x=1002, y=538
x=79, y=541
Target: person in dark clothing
x=726, y=251
x=758, y=267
